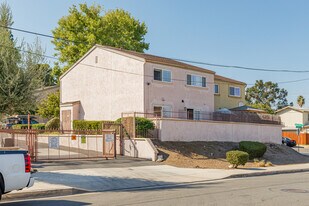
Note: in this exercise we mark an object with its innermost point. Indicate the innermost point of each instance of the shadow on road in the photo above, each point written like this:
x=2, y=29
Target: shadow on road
x=46, y=203
x=92, y=183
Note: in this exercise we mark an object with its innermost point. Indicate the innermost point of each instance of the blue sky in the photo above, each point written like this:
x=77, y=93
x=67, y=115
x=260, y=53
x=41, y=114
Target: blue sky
x=263, y=34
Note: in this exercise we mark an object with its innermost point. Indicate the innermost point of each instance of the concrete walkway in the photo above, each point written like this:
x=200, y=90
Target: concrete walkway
x=134, y=178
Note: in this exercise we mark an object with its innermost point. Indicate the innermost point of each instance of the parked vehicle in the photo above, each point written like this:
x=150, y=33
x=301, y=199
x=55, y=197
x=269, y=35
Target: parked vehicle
x=15, y=170
x=288, y=142
x=19, y=119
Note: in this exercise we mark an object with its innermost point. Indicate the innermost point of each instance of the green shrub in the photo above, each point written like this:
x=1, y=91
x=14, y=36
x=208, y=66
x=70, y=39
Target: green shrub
x=88, y=125
x=254, y=149
x=25, y=126
x=237, y=158
x=20, y=126
x=38, y=126
x=52, y=124
x=143, y=124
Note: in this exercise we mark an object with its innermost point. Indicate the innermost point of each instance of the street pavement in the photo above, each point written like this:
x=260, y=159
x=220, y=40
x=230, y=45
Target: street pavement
x=72, y=177
x=273, y=190
x=303, y=149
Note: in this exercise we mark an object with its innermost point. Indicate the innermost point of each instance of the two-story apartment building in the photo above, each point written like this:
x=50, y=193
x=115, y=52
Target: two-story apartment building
x=229, y=93
x=108, y=81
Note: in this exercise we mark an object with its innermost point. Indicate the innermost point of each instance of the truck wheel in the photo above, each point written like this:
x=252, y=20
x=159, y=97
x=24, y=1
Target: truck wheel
x=1, y=187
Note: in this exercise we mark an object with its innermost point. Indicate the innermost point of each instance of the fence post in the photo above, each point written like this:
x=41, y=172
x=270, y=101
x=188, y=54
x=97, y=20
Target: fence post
x=35, y=147
x=134, y=125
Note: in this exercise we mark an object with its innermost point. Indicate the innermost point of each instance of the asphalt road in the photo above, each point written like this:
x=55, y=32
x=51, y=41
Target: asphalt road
x=284, y=189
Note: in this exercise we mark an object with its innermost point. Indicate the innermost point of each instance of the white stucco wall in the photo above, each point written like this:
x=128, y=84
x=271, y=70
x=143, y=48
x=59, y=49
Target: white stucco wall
x=190, y=130
x=141, y=148
x=159, y=93
x=289, y=117
x=107, y=88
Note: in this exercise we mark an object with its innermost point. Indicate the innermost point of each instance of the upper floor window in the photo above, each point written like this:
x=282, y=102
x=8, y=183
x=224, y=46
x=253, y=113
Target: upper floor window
x=216, y=89
x=162, y=75
x=196, y=80
x=234, y=91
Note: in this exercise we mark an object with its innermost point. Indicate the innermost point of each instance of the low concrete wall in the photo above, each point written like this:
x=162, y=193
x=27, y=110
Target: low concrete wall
x=141, y=148
x=190, y=130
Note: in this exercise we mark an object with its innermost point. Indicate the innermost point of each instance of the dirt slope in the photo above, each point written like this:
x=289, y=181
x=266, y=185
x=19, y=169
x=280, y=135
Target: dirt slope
x=212, y=154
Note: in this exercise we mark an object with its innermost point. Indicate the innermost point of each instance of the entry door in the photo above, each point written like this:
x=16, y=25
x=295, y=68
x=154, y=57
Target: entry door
x=66, y=119
x=190, y=113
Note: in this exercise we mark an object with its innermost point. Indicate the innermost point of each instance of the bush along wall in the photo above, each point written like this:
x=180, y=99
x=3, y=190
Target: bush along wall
x=53, y=124
x=254, y=149
x=25, y=126
x=142, y=125
x=88, y=125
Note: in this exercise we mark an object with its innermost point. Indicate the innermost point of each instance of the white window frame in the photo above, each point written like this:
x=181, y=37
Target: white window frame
x=215, y=89
x=166, y=110
x=195, y=84
x=162, y=76
x=234, y=95
x=196, y=114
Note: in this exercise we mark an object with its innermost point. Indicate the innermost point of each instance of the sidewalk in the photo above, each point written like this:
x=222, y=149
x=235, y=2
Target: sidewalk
x=66, y=182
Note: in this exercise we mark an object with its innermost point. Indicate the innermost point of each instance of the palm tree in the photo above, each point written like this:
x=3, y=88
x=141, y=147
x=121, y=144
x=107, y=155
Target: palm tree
x=300, y=101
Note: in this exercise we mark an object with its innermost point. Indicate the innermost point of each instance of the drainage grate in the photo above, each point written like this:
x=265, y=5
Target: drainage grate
x=295, y=190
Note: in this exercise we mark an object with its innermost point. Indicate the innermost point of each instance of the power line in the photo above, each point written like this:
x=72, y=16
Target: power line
x=176, y=59
x=244, y=68
x=182, y=80
x=40, y=34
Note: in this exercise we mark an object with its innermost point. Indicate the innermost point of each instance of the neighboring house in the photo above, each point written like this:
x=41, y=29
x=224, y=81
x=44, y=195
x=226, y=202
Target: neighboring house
x=229, y=93
x=246, y=108
x=107, y=81
x=291, y=115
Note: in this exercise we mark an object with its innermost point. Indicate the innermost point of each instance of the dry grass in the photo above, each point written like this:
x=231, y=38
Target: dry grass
x=212, y=154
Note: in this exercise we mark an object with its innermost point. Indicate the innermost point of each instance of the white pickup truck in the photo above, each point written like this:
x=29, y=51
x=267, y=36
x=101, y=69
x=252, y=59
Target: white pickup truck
x=15, y=170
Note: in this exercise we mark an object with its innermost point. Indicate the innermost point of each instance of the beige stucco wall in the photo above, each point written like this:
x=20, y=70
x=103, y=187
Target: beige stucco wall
x=223, y=100
x=289, y=117
x=140, y=148
x=107, y=88
x=190, y=130
x=163, y=93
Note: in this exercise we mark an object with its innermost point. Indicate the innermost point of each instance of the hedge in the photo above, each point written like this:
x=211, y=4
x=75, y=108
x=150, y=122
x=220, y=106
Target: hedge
x=88, y=125
x=25, y=126
x=52, y=124
x=254, y=149
x=237, y=158
x=143, y=124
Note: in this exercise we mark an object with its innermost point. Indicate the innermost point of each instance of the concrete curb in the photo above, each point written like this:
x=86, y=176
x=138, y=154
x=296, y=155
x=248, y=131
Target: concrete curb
x=254, y=174
x=41, y=193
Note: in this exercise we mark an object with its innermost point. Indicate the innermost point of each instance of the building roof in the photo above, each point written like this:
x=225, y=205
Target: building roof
x=293, y=108
x=225, y=79
x=157, y=59
x=248, y=109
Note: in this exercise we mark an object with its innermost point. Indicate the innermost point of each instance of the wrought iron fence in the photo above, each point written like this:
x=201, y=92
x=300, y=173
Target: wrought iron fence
x=232, y=116
x=61, y=144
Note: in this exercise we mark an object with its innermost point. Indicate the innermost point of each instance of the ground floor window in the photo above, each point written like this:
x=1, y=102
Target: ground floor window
x=194, y=114
x=163, y=111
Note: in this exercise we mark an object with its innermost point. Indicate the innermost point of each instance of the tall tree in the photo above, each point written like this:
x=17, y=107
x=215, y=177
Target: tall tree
x=19, y=76
x=6, y=18
x=267, y=96
x=50, y=107
x=300, y=101
x=85, y=27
